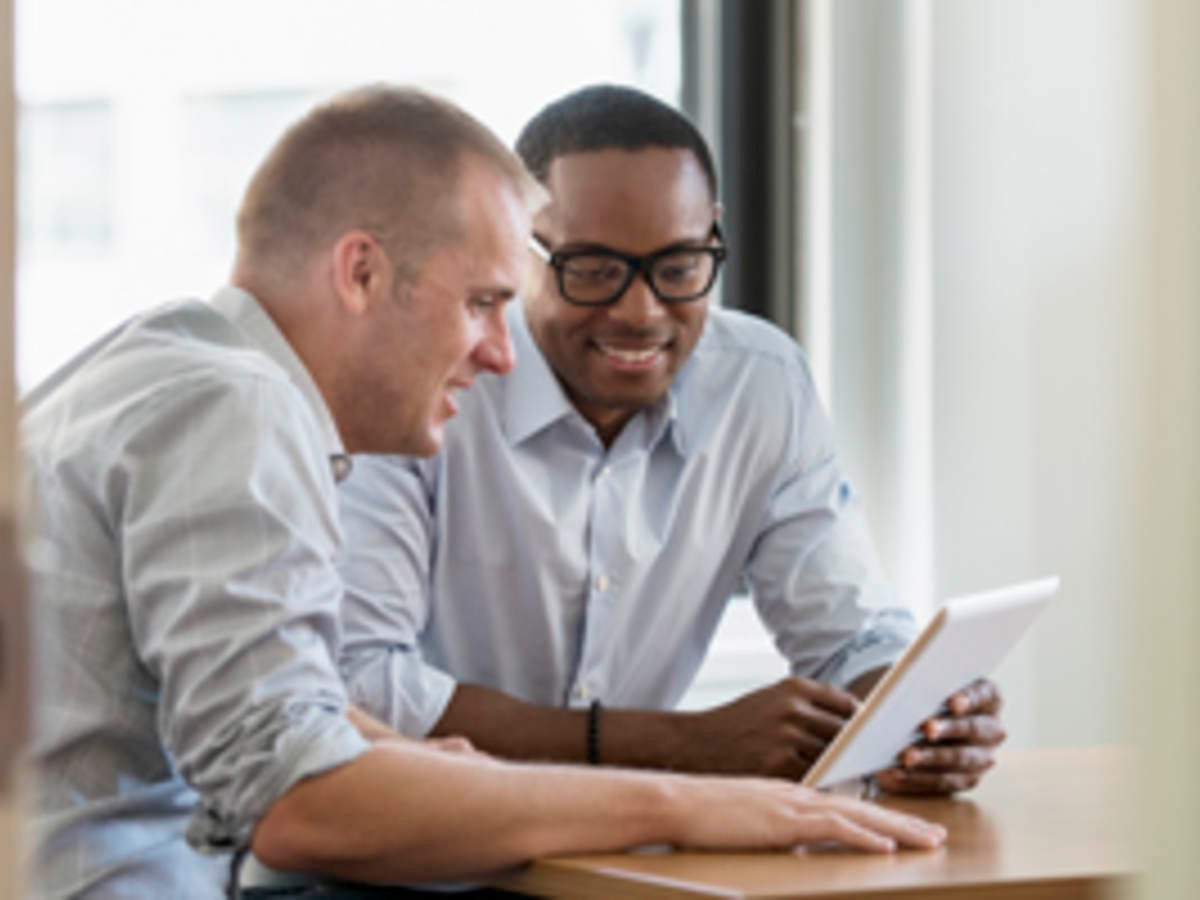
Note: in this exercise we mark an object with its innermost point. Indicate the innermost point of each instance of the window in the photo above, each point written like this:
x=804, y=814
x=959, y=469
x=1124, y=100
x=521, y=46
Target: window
x=66, y=154
x=141, y=122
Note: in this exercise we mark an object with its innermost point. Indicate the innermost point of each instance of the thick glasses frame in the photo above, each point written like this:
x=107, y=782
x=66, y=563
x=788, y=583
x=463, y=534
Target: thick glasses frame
x=637, y=265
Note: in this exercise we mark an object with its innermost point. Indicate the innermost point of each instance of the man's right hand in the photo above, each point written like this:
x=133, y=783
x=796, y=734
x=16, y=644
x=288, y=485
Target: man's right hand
x=758, y=814
x=779, y=730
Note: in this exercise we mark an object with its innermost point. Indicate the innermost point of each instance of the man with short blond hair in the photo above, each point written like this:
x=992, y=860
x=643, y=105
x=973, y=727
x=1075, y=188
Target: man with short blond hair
x=183, y=532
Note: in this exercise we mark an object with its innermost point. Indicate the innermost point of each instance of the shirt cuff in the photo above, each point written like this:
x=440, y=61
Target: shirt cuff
x=315, y=741
x=427, y=704
x=879, y=643
x=397, y=687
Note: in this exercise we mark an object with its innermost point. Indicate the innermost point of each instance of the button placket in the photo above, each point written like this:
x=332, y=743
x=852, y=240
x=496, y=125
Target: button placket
x=603, y=512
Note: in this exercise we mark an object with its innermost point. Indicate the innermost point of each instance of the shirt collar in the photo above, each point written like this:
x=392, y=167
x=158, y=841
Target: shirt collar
x=241, y=308
x=661, y=421
x=534, y=398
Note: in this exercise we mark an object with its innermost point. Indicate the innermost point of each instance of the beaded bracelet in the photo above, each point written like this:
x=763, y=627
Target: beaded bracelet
x=593, y=733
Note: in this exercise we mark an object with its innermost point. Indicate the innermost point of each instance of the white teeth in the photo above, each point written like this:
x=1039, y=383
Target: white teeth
x=631, y=356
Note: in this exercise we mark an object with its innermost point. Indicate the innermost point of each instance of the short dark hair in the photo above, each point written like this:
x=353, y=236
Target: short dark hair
x=607, y=116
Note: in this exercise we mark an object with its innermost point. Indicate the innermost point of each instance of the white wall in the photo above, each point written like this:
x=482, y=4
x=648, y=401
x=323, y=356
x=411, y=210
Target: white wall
x=880, y=386
x=1033, y=112
x=1164, y=705
x=1037, y=183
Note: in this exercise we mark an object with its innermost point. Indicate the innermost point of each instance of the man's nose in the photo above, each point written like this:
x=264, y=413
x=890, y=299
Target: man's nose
x=494, y=352
x=638, y=305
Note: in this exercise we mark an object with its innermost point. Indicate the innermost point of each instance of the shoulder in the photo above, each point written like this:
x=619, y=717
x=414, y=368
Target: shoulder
x=748, y=392
x=180, y=365
x=734, y=330
x=741, y=351
x=193, y=342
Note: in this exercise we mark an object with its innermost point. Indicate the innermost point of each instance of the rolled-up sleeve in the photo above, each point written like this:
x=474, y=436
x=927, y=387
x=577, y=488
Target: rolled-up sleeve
x=390, y=533
x=813, y=570
x=228, y=514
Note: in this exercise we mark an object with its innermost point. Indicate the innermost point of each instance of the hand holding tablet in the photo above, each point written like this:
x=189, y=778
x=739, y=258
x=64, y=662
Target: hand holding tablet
x=956, y=746
x=965, y=639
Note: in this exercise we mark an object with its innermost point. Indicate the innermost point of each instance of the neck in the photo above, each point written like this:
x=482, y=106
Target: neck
x=608, y=431
x=297, y=313
x=607, y=421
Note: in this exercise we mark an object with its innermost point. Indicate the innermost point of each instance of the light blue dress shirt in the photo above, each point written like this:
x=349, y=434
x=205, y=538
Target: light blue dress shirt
x=527, y=558
x=181, y=533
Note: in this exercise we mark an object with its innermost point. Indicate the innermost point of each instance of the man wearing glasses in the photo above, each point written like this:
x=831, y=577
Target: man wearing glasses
x=549, y=583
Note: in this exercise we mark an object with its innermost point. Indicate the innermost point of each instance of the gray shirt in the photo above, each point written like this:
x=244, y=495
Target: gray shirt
x=182, y=534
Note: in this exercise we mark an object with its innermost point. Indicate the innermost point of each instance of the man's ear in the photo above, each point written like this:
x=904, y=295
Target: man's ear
x=718, y=209
x=360, y=269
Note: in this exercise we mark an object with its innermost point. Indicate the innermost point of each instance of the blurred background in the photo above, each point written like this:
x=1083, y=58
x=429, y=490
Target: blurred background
x=140, y=122
x=978, y=217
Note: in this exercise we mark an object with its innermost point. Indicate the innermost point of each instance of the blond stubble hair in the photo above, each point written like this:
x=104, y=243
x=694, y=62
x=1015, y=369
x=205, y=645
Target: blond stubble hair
x=382, y=159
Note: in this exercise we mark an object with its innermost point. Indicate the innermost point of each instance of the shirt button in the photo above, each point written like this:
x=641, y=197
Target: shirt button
x=606, y=471
x=582, y=692
x=341, y=465
x=601, y=583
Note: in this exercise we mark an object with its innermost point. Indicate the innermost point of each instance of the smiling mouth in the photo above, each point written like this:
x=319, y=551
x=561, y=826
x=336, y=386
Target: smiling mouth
x=632, y=356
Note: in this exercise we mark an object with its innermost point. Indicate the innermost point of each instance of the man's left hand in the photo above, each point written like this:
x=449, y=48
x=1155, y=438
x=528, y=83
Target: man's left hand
x=959, y=745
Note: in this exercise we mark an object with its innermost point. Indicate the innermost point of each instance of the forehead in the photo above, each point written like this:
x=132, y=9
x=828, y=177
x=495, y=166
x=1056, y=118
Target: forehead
x=629, y=199
x=494, y=223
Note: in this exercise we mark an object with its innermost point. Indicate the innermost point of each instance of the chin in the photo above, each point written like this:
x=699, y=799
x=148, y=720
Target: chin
x=424, y=448
x=430, y=442
x=425, y=442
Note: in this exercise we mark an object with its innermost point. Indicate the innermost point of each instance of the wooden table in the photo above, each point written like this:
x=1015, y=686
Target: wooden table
x=14, y=797
x=1043, y=824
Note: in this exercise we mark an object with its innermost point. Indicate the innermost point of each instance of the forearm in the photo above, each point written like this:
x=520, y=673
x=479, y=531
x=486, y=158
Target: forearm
x=401, y=812
x=505, y=726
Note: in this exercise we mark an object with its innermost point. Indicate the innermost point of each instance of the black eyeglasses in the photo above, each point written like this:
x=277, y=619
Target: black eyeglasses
x=599, y=276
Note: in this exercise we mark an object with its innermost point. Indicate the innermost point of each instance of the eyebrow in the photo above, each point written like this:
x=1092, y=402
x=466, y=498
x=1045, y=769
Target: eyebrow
x=504, y=292
x=688, y=243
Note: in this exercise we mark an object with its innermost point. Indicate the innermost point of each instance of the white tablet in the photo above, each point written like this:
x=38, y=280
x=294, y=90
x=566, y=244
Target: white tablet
x=965, y=640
